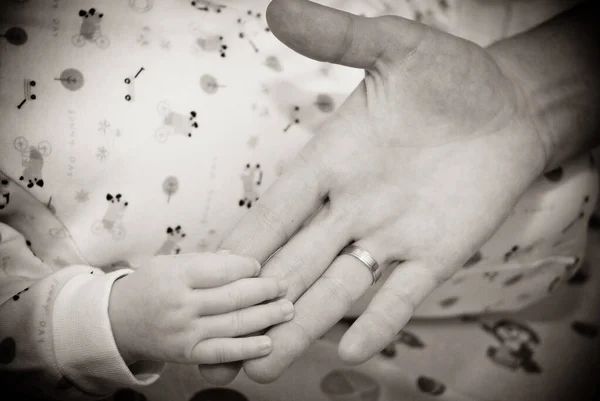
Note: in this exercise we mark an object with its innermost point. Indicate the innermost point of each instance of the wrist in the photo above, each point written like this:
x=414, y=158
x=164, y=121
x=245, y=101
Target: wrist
x=118, y=321
x=528, y=111
x=555, y=68
x=84, y=345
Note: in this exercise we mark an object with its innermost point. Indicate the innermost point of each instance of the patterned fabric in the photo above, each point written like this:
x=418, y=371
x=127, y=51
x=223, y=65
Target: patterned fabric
x=141, y=127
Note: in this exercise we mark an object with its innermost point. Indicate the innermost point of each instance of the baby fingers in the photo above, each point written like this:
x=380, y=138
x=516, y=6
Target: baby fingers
x=222, y=350
x=246, y=321
x=238, y=295
x=217, y=269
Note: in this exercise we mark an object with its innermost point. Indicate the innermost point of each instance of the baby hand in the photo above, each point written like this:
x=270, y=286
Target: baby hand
x=190, y=308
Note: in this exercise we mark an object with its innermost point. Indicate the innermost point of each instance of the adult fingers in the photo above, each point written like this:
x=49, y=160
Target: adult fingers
x=238, y=295
x=309, y=253
x=270, y=223
x=327, y=34
x=346, y=280
x=224, y=350
x=389, y=310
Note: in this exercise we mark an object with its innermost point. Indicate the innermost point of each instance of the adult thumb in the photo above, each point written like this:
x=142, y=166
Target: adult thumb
x=327, y=34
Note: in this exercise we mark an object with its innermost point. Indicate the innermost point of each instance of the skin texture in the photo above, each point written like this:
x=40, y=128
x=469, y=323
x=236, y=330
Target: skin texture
x=186, y=309
x=420, y=165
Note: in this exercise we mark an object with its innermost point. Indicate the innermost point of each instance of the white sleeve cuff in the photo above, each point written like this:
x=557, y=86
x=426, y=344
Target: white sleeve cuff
x=86, y=352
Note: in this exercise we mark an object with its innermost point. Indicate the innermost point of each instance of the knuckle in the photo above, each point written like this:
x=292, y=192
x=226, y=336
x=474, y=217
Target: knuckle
x=285, y=261
x=345, y=43
x=433, y=272
x=237, y=299
x=303, y=282
x=314, y=172
x=183, y=276
x=298, y=282
x=386, y=325
x=338, y=290
x=271, y=287
x=412, y=40
x=339, y=218
x=174, y=310
x=304, y=340
x=220, y=355
x=224, y=273
x=181, y=301
x=402, y=297
x=271, y=220
x=199, y=331
x=237, y=322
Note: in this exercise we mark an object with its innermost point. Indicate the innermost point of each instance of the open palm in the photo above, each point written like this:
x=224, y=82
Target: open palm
x=420, y=165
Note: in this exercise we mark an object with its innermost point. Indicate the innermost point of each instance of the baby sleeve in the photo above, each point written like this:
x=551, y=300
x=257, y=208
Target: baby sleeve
x=55, y=334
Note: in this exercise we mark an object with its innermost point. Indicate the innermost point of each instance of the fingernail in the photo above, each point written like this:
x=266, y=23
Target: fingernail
x=265, y=344
x=283, y=287
x=224, y=252
x=288, y=310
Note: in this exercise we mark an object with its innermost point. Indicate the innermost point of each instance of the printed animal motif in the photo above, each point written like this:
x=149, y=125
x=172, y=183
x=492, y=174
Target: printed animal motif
x=174, y=123
x=251, y=180
x=112, y=222
x=32, y=174
x=90, y=30
x=4, y=192
x=90, y=24
x=171, y=244
x=32, y=159
x=516, y=348
x=115, y=211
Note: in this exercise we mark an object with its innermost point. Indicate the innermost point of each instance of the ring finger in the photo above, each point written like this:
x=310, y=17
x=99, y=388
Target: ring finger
x=306, y=256
x=346, y=280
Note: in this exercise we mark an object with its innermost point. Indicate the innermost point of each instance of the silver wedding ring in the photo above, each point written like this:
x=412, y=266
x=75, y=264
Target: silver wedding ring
x=366, y=258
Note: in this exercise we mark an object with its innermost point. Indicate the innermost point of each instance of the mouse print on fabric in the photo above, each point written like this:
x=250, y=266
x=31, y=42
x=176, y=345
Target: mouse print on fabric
x=174, y=123
x=516, y=347
x=171, y=244
x=251, y=181
x=90, y=30
x=32, y=159
x=4, y=191
x=350, y=384
x=112, y=222
x=406, y=338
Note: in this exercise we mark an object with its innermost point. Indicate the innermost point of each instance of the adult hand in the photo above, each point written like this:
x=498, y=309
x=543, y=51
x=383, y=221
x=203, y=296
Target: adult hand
x=421, y=164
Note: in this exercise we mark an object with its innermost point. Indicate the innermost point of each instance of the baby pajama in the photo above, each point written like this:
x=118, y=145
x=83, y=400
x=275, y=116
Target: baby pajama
x=132, y=128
